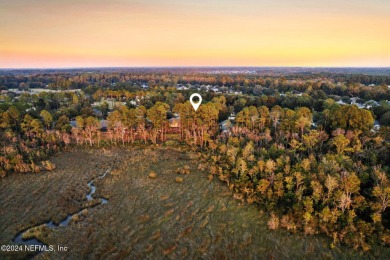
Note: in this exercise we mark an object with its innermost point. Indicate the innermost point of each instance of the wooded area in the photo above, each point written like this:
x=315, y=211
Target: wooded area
x=285, y=143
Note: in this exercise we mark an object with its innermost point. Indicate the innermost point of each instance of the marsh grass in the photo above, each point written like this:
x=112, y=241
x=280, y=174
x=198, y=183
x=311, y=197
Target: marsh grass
x=144, y=217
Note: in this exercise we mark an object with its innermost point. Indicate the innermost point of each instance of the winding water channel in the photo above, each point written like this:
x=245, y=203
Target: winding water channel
x=65, y=222
x=157, y=218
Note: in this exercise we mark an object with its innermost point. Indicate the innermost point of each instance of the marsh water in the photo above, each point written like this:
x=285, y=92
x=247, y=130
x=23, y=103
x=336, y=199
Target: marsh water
x=199, y=218
x=63, y=223
x=155, y=218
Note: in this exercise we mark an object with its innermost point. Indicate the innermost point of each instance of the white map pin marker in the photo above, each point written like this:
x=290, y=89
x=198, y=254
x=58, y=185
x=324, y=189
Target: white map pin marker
x=195, y=105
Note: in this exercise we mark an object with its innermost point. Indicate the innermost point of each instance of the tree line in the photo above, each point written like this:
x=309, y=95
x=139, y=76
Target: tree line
x=315, y=166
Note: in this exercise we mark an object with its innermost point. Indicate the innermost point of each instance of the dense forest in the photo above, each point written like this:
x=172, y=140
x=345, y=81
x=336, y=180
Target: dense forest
x=302, y=146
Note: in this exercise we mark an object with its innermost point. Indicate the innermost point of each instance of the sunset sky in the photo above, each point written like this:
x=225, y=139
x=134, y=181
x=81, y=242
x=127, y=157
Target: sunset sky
x=103, y=33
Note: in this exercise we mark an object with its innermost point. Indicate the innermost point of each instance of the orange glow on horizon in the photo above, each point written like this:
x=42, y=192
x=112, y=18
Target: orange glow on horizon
x=135, y=33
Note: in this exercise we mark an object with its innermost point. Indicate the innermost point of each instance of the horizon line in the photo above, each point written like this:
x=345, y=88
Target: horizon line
x=184, y=67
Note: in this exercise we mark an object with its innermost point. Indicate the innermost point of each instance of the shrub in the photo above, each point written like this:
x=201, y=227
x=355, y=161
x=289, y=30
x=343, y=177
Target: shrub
x=184, y=170
x=273, y=222
x=152, y=175
x=48, y=166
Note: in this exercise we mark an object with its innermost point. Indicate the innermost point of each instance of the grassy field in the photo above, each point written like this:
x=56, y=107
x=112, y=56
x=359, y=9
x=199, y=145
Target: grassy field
x=152, y=211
